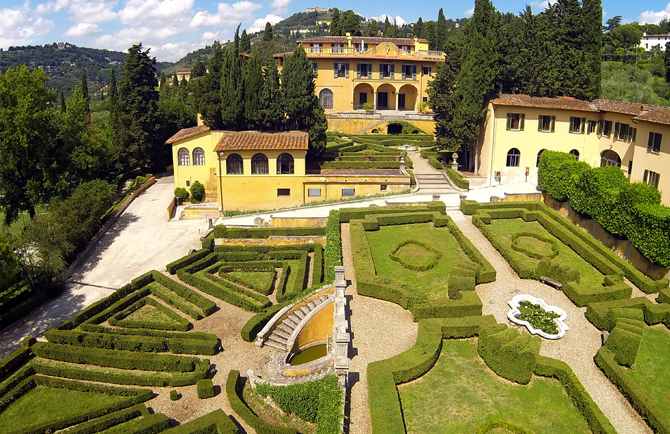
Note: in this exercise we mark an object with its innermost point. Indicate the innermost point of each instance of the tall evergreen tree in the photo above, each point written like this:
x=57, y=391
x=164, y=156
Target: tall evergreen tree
x=573, y=72
x=510, y=43
x=441, y=92
x=418, y=28
x=198, y=69
x=162, y=82
x=538, y=74
x=335, y=24
x=371, y=28
x=208, y=89
x=303, y=109
x=429, y=34
x=113, y=97
x=232, y=91
x=245, y=43
x=387, y=28
x=441, y=31
x=267, y=33
x=137, y=119
x=84, y=91
x=666, y=61
x=253, y=86
x=271, y=103
x=592, y=13
x=403, y=33
x=351, y=24
x=394, y=30
x=63, y=107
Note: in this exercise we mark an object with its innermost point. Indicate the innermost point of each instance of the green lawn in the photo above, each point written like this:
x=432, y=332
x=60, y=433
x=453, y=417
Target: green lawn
x=460, y=393
x=256, y=280
x=506, y=228
x=149, y=313
x=43, y=403
x=434, y=281
x=652, y=365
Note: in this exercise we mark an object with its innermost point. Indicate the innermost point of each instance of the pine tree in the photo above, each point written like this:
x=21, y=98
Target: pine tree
x=63, y=107
x=208, y=89
x=137, y=118
x=245, y=43
x=351, y=24
x=84, y=91
x=418, y=28
x=267, y=34
x=387, y=28
x=198, y=69
x=441, y=92
x=272, y=109
x=335, y=24
x=429, y=34
x=592, y=13
x=441, y=31
x=232, y=94
x=253, y=85
x=303, y=108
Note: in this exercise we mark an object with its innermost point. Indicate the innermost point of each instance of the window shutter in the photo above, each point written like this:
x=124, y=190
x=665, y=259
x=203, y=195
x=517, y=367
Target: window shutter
x=633, y=134
x=335, y=70
x=346, y=70
x=540, y=122
x=658, y=180
x=617, y=128
x=414, y=72
x=657, y=145
x=509, y=121
x=600, y=127
x=572, y=123
x=583, y=124
x=430, y=70
x=358, y=70
x=381, y=71
x=392, y=71
x=522, y=118
x=553, y=122
x=404, y=68
x=646, y=175
x=369, y=70
x=650, y=144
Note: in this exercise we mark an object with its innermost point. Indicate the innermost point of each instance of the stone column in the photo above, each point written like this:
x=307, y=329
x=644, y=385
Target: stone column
x=397, y=97
x=374, y=99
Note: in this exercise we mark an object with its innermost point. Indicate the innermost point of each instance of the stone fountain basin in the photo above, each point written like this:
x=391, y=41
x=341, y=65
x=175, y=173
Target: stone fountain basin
x=560, y=324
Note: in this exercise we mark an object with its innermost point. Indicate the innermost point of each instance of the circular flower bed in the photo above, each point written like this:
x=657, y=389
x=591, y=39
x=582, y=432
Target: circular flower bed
x=535, y=253
x=537, y=316
x=415, y=255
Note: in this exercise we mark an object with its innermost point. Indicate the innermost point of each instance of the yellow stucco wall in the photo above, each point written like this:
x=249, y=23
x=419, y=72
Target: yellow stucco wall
x=357, y=125
x=656, y=162
x=331, y=187
x=206, y=174
x=317, y=329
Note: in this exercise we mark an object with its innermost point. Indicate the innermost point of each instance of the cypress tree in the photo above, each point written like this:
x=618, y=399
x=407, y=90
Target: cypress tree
x=573, y=72
x=429, y=34
x=271, y=102
x=441, y=96
x=303, y=108
x=245, y=43
x=394, y=30
x=162, y=82
x=208, y=89
x=538, y=73
x=253, y=85
x=403, y=34
x=387, y=28
x=418, y=28
x=335, y=25
x=592, y=13
x=666, y=61
x=137, y=119
x=113, y=96
x=84, y=91
x=267, y=34
x=441, y=31
x=232, y=97
x=63, y=107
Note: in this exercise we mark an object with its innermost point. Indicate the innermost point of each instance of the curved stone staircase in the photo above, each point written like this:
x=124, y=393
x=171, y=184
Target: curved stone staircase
x=280, y=335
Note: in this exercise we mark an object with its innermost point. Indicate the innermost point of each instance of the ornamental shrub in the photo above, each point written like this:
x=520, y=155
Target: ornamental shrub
x=198, y=191
x=174, y=395
x=597, y=191
x=558, y=172
x=181, y=193
x=435, y=163
x=205, y=388
x=333, y=251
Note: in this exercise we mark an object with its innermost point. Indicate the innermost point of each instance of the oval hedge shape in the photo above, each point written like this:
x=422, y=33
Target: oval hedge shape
x=400, y=258
x=531, y=253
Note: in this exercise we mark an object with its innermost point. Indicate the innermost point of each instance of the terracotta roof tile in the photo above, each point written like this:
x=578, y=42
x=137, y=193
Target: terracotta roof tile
x=562, y=102
x=187, y=132
x=250, y=140
x=659, y=115
x=184, y=71
x=627, y=108
x=359, y=39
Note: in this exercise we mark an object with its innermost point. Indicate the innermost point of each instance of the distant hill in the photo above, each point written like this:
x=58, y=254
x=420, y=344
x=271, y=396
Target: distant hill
x=64, y=63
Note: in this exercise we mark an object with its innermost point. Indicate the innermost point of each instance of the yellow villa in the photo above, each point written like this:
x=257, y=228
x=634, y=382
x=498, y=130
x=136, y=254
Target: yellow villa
x=518, y=128
x=388, y=73
x=250, y=170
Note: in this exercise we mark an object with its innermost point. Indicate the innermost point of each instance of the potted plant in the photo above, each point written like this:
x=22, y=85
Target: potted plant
x=369, y=107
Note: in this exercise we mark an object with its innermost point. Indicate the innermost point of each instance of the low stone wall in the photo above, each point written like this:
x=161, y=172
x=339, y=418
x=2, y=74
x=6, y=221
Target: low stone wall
x=171, y=207
x=297, y=222
x=621, y=246
x=522, y=197
x=275, y=240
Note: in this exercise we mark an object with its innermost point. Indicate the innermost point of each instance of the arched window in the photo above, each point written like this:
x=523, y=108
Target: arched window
x=184, y=157
x=284, y=164
x=575, y=153
x=198, y=157
x=259, y=164
x=539, y=154
x=610, y=158
x=234, y=165
x=513, y=157
x=326, y=98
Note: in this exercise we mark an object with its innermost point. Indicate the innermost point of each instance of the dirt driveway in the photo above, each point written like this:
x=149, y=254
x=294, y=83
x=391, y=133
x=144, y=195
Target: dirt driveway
x=141, y=240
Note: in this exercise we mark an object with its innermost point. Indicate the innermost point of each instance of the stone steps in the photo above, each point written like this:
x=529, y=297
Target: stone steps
x=280, y=335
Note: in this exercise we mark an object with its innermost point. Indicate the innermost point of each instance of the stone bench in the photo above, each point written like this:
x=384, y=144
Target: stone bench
x=551, y=282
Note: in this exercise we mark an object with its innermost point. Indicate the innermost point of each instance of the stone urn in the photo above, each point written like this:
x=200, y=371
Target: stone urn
x=454, y=163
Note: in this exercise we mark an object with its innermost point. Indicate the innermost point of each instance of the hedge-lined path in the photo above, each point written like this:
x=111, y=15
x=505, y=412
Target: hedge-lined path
x=430, y=179
x=380, y=330
x=141, y=240
x=577, y=348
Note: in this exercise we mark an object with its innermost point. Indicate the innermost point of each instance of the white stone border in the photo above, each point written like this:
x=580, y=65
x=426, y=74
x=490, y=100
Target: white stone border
x=560, y=324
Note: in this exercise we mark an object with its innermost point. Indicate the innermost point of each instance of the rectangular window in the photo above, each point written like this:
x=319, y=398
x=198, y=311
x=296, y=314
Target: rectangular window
x=408, y=72
x=283, y=192
x=591, y=127
x=314, y=192
x=188, y=183
x=315, y=69
x=383, y=187
x=546, y=123
x=348, y=192
x=632, y=133
x=364, y=70
x=341, y=70
x=386, y=70
x=426, y=70
x=654, y=144
x=651, y=178
x=607, y=129
x=315, y=48
x=515, y=121
x=622, y=131
x=630, y=167
x=337, y=48
x=577, y=125
x=425, y=99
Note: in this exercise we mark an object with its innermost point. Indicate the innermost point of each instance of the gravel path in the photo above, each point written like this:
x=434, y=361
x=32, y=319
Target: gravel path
x=577, y=348
x=380, y=330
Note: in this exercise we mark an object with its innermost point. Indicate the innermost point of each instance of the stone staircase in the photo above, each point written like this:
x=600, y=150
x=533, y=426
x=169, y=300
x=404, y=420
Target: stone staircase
x=371, y=127
x=283, y=331
x=430, y=183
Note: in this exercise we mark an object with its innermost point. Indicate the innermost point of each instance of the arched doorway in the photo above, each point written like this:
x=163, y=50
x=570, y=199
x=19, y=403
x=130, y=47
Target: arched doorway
x=539, y=154
x=363, y=93
x=385, y=97
x=610, y=158
x=326, y=99
x=407, y=97
x=394, y=128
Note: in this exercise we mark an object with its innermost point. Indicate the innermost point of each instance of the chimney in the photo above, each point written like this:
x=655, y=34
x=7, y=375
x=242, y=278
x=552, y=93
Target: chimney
x=348, y=40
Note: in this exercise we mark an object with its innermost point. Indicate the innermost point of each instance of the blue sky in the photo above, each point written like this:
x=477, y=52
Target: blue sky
x=173, y=28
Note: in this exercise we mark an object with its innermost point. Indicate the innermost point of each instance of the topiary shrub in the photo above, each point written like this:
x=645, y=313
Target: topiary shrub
x=205, y=388
x=174, y=395
x=198, y=191
x=181, y=193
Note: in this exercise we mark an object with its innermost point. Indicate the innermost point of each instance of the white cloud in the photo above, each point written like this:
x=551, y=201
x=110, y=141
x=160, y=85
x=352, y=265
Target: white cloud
x=280, y=7
x=155, y=12
x=226, y=15
x=259, y=24
x=82, y=29
x=171, y=51
x=20, y=27
x=651, y=17
x=89, y=12
x=50, y=7
x=539, y=6
x=469, y=12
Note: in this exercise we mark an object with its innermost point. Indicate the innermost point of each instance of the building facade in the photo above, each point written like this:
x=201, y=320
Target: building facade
x=251, y=170
x=649, y=41
x=384, y=73
x=518, y=128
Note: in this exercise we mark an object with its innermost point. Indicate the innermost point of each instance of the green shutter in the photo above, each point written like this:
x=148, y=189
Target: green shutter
x=540, y=122
x=650, y=143
x=335, y=70
x=381, y=71
x=572, y=123
x=392, y=71
x=617, y=128
x=404, y=68
x=346, y=70
x=657, y=143
x=369, y=70
x=509, y=121
x=358, y=70
x=553, y=122
x=522, y=118
x=583, y=124
x=646, y=175
x=600, y=127
x=414, y=72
